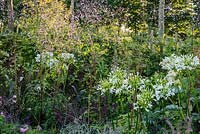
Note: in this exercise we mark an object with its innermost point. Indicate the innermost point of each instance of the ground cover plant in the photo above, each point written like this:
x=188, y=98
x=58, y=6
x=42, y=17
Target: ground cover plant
x=99, y=67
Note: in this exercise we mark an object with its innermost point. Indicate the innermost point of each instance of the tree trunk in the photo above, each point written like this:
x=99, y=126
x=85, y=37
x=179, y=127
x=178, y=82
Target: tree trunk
x=161, y=24
x=10, y=15
x=161, y=18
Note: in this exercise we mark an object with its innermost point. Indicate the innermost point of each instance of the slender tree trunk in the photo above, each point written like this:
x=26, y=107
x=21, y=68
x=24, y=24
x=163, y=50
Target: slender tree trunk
x=10, y=15
x=161, y=18
x=161, y=24
x=11, y=28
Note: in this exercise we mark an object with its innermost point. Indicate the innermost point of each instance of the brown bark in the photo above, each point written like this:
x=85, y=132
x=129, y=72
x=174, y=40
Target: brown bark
x=10, y=15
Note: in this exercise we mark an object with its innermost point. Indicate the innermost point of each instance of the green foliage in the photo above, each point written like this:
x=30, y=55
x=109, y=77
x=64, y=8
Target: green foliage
x=110, y=75
x=74, y=128
x=6, y=128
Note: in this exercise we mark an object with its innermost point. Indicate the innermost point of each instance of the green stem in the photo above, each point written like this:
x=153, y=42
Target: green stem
x=179, y=103
x=189, y=94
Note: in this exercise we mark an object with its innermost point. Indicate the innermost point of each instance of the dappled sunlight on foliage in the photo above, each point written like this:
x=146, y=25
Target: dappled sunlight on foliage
x=99, y=66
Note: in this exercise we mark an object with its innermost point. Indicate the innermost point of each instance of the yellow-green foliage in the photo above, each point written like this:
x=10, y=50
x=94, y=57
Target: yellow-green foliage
x=47, y=20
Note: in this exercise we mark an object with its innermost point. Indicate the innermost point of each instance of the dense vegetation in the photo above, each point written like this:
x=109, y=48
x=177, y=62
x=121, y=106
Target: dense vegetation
x=99, y=66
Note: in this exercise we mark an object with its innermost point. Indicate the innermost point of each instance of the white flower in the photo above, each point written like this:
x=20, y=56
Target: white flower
x=67, y=56
x=37, y=58
x=117, y=82
x=38, y=88
x=52, y=62
x=158, y=94
x=195, y=61
x=170, y=77
x=44, y=56
x=179, y=63
x=14, y=99
x=144, y=99
x=21, y=78
x=158, y=91
x=50, y=54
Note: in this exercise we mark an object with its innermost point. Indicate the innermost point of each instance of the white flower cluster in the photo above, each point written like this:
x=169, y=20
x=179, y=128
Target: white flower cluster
x=144, y=100
x=119, y=82
x=47, y=58
x=151, y=89
x=67, y=56
x=51, y=60
x=167, y=86
x=116, y=83
x=148, y=89
x=178, y=63
x=145, y=94
x=44, y=56
x=170, y=84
